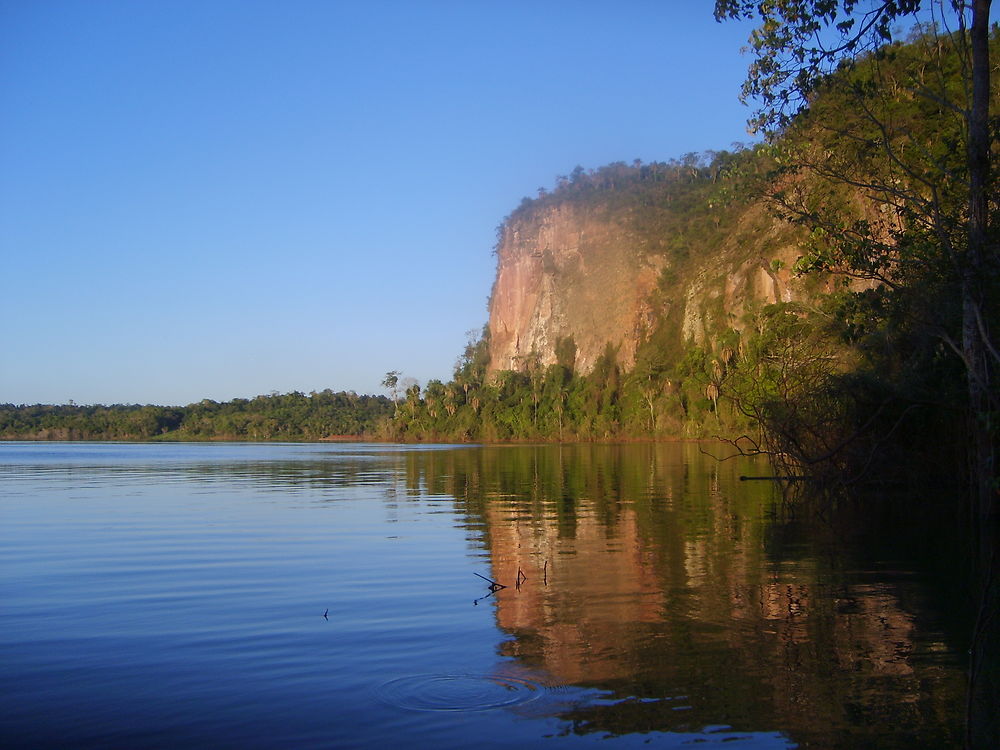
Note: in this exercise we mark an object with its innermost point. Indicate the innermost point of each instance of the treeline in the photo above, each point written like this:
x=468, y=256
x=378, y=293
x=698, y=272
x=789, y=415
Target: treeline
x=670, y=208
x=291, y=416
x=620, y=184
x=791, y=368
x=656, y=399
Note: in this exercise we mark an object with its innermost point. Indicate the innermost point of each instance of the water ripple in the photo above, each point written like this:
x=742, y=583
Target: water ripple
x=457, y=692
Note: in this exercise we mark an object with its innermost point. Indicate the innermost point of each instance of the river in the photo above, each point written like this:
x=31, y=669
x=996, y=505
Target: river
x=339, y=595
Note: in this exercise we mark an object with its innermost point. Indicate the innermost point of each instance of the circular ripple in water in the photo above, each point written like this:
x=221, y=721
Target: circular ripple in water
x=457, y=692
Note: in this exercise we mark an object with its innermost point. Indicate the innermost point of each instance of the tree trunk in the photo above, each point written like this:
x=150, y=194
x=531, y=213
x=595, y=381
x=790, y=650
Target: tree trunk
x=975, y=269
x=984, y=669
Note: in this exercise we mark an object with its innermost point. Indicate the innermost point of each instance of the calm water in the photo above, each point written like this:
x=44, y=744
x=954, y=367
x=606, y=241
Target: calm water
x=174, y=596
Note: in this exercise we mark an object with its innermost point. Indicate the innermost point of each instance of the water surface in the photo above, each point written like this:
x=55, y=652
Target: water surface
x=242, y=595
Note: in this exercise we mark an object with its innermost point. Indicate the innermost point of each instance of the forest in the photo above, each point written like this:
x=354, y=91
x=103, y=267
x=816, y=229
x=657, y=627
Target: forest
x=287, y=417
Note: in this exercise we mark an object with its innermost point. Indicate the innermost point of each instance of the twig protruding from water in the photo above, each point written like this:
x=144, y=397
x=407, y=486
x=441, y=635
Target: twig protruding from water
x=494, y=586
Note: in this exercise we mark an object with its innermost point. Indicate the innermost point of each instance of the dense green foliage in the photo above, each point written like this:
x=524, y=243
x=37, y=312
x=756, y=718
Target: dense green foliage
x=909, y=133
x=876, y=171
x=670, y=208
x=291, y=416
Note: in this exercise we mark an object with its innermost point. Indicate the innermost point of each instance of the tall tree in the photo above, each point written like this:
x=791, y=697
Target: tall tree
x=391, y=383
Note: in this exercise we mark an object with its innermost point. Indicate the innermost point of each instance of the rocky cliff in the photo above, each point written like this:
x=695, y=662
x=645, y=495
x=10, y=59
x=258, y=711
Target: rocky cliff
x=562, y=273
x=594, y=271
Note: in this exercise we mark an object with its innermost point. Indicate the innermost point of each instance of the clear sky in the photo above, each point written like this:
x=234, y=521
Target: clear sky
x=223, y=198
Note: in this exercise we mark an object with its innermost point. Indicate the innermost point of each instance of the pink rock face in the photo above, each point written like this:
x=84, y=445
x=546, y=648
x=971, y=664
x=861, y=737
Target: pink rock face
x=565, y=271
x=561, y=273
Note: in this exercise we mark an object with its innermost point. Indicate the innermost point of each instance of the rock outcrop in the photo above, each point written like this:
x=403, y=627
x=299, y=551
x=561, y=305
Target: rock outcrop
x=566, y=270
x=561, y=274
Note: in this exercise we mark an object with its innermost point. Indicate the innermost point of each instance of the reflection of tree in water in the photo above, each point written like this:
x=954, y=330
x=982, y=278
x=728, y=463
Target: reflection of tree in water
x=648, y=575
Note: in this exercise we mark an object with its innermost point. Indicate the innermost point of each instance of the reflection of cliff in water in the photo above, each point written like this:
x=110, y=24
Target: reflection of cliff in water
x=648, y=577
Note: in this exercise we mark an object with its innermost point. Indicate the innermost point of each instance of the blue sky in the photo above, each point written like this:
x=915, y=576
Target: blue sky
x=214, y=199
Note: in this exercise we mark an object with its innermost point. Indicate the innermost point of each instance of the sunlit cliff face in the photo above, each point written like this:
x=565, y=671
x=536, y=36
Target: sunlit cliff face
x=563, y=274
x=566, y=271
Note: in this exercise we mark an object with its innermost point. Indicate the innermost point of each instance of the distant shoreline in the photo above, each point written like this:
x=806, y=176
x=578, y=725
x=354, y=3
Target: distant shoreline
x=172, y=438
